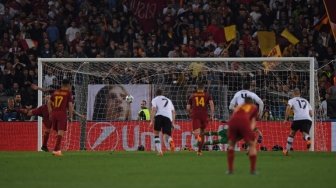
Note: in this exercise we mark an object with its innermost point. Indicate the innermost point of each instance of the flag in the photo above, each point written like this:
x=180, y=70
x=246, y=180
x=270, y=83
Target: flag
x=230, y=32
x=275, y=52
x=29, y=43
x=289, y=36
x=196, y=68
x=323, y=21
x=266, y=41
x=330, y=6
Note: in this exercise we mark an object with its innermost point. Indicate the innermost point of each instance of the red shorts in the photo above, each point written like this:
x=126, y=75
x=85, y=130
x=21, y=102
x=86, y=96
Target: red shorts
x=59, y=121
x=199, y=121
x=47, y=123
x=240, y=130
x=44, y=114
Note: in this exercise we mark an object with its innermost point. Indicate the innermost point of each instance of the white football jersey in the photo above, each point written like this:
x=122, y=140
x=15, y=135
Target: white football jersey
x=164, y=106
x=239, y=99
x=301, y=108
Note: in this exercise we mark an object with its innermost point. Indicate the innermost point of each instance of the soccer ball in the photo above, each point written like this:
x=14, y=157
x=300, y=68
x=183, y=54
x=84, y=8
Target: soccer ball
x=129, y=98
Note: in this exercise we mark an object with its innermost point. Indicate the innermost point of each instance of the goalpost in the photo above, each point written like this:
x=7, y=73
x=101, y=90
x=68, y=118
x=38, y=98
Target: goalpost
x=100, y=86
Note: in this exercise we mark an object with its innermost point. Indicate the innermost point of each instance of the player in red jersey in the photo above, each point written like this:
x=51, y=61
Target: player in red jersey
x=42, y=111
x=197, y=108
x=241, y=125
x=59, y=103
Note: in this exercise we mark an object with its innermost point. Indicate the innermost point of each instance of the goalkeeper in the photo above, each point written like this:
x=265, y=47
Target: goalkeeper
x=224, y=138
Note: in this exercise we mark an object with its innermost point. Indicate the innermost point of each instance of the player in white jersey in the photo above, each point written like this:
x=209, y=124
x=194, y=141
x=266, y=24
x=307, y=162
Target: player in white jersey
x=239, y=98
x=302, y=119
x=163, y=118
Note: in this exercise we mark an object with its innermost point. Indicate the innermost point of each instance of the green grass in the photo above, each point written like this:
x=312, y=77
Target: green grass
x=180, y=169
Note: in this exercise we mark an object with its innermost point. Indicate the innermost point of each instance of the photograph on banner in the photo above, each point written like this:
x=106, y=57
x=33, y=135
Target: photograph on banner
x=108, y=102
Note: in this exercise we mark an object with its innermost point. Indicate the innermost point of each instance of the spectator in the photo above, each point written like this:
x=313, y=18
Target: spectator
x=71, y=32
x=60, y=51
x=3, y=91
x=144, y=113
x=48, y=79
x=46, y=51
x=175, y=52
x=331, y=91
x=14, y=89
x=323, y=108
x=52, y=32
x=9, y=112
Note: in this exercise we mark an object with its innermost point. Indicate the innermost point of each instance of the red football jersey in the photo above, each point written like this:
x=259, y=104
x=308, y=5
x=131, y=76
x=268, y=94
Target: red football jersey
x=199, y=102
x=60, y=100
x=245, y=112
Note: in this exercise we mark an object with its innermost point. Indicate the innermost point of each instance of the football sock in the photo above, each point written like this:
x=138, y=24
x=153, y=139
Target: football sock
x=253, y=161
x=230, y=159
x=58, y=143
x=289, y=143
x=157, y=144
x=200, y=144
x=45, y=138
x=196, y=140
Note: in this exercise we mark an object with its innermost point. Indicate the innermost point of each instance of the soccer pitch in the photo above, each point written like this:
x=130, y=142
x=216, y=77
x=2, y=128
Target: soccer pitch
x=180, y=169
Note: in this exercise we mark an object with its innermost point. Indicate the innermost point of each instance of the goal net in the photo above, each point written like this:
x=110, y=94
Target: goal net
x=100, y=87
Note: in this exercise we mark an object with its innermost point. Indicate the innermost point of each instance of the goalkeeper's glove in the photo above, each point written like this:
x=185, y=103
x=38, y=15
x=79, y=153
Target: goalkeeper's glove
x=260, y=138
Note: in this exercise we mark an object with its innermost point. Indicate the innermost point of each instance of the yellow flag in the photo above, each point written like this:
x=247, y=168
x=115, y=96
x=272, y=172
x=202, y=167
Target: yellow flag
x=230, y=32
x=291, y=38
x=266, y=41
x=196, y=68
x=275, y=52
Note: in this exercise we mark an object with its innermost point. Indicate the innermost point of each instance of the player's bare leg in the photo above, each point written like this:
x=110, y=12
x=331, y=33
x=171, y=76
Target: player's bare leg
x=57, y=151
x=253, y=156
x=230, y=156
x=157, y=143
x=289, y=144
x=306, y=137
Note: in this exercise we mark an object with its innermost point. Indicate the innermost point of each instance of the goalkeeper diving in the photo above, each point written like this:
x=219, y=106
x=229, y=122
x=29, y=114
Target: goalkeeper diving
x=223, y=137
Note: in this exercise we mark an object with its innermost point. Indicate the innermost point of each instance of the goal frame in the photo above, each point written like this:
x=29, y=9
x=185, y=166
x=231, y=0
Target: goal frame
x=311, y=61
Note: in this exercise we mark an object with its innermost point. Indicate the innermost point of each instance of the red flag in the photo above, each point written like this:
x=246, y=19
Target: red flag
x=323, y=21
x=28, y=43
x=330, y=9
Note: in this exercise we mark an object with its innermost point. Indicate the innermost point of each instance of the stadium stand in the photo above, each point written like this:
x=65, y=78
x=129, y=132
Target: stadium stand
x=183, y=28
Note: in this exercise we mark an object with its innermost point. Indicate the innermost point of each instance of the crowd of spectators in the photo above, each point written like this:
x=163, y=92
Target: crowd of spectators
x=184, y=28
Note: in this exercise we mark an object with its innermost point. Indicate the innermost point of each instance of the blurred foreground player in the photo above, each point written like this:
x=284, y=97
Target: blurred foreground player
x=241, y=125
